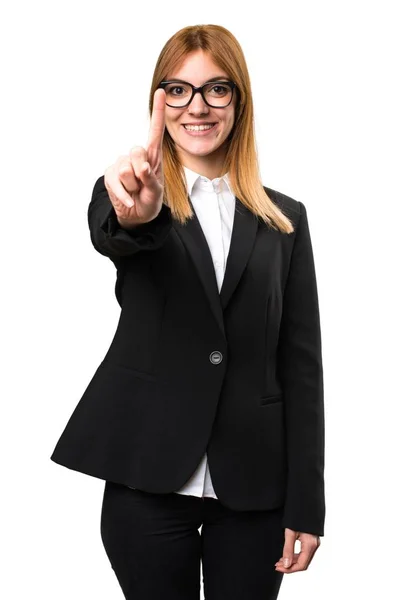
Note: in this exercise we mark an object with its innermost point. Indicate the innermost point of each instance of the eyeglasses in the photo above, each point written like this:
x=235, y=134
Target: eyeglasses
x=217, y=94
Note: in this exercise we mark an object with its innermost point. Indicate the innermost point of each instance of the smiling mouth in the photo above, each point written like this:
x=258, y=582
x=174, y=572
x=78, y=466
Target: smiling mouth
x=204, y=127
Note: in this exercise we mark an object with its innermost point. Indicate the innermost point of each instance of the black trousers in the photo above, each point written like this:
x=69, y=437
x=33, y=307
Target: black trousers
x=155, y=548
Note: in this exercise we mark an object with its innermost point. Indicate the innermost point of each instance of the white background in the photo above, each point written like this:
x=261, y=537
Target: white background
x=76, y=80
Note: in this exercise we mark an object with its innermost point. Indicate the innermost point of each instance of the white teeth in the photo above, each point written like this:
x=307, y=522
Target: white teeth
x=198, y=127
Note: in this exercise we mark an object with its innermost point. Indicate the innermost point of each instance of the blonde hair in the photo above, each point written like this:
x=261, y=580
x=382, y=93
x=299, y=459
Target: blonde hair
x=241, y=160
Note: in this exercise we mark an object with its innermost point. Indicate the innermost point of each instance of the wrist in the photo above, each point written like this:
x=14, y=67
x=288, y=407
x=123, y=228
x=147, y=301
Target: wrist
x=138, y=225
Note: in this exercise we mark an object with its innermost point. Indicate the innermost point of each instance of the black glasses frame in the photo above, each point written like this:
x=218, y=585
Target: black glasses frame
x=195, y=89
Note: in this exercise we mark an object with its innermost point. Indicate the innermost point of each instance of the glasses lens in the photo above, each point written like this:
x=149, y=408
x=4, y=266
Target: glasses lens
x=216, y=94
x=177, y=94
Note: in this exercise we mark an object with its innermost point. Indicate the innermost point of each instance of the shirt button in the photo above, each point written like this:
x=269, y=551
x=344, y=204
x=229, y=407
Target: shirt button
x=215, y=357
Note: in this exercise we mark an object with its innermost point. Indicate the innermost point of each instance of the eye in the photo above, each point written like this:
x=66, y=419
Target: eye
x=219, y=90
x=171, y=89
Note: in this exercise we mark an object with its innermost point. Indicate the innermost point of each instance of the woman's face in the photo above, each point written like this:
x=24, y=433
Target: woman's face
x=200, y=152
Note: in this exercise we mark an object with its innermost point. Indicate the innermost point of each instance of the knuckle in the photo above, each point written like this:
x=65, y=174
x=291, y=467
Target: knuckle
x=136, y=150
x=125, y=167
x=119, y=203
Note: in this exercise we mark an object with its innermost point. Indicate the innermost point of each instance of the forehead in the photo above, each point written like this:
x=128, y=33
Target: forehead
x=197, y=68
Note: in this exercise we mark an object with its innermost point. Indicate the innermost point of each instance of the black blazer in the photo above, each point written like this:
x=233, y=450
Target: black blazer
x=237, y=373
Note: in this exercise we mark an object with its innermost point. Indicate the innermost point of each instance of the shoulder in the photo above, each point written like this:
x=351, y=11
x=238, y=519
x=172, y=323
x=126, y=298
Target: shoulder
x=99, y=185
x=289, y=206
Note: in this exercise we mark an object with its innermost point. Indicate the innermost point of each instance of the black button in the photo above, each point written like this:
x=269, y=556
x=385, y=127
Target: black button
x=215, y=357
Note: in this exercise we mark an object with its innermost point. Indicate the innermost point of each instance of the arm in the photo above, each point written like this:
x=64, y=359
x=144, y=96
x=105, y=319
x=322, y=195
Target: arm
x=301, y=373
x=111, y=239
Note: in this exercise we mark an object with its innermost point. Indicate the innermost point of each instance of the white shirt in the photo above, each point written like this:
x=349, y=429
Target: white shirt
x=214, y=205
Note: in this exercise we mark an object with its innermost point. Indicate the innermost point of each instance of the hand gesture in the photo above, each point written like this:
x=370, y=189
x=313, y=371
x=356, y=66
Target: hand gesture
x=135, y=183
x=301, y=561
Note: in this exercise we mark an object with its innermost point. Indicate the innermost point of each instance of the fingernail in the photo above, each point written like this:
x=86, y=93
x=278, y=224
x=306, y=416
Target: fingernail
x=286, y=562
x=130, y=203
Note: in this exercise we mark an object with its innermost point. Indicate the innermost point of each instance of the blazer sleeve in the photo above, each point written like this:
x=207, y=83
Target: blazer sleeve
x=301, y=373
x=115, y=242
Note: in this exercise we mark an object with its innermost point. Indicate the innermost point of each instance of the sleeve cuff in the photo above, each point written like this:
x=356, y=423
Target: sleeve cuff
x=146, y=233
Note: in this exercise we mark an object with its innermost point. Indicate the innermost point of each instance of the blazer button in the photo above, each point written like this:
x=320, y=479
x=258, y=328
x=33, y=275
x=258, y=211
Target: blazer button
x=216, y=357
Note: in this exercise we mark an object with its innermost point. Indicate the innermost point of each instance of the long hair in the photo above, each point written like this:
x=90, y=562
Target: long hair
x=241, y=161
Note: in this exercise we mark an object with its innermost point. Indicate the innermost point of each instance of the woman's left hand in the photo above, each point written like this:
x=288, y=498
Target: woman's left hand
x=291, y=562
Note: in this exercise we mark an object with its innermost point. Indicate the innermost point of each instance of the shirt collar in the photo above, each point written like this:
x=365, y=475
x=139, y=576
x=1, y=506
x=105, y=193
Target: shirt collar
x=193, y=177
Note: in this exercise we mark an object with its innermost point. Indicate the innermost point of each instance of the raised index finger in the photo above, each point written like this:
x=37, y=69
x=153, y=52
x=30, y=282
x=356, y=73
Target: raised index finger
x=156, y=129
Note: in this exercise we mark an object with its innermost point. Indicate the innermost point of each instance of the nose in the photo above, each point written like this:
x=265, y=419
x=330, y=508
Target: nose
x=198, y=105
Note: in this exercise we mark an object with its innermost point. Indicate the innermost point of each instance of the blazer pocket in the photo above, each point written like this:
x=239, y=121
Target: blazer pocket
x=140, y=374
x=265, y=400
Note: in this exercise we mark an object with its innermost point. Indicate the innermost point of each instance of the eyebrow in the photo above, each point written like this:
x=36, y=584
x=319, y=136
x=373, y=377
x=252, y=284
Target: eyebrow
x=216, y=78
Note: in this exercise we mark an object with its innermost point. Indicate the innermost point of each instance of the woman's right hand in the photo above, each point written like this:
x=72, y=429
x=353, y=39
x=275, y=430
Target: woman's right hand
x=135, y=183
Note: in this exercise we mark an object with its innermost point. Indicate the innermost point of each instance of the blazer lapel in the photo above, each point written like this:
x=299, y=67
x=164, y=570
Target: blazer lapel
x=242, y=240
x=195, y=242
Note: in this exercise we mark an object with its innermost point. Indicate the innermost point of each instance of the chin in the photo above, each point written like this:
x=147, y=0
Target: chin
x=199, y=152
x=200, y=147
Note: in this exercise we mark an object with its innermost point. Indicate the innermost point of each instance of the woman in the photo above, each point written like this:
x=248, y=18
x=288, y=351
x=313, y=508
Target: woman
x=207, y=409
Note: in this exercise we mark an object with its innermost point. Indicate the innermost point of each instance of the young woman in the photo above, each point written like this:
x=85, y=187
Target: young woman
x=207, y=409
